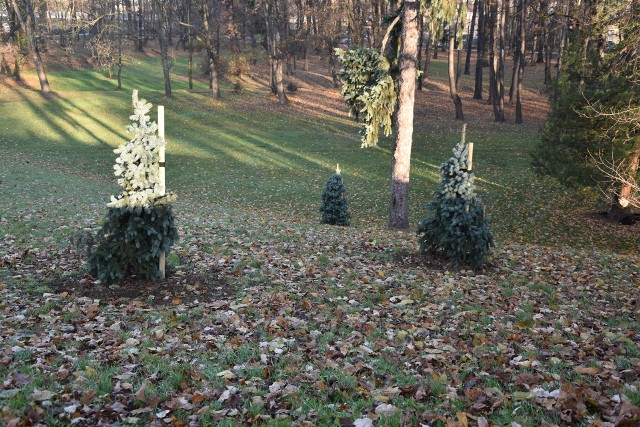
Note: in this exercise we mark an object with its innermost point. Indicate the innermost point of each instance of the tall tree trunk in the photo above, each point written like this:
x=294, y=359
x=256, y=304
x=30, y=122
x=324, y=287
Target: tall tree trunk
x=564, y=33
x=140, y=26
x=514, y=72
x=547, y=43
x=500, y=62
x=164, y=48
x=420, y=43
x=26, y=19
x=282, y=98
x=209, y=43
x=275, y=51
x=427, y=62
x=190, y=43
x=213, y=75
x=453, y=90
x=467, y=62
x=401, y=163
x=523, y=40
x=534, y=47
x=477, y=92
x=493, y=59
x=119, y=61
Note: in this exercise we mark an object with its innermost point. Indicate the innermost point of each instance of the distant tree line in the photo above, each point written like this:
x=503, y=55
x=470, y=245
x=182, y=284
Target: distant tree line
x=527, y=31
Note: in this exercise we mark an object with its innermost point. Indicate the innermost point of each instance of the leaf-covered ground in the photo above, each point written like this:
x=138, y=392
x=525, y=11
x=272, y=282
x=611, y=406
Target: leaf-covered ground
x=328, y=326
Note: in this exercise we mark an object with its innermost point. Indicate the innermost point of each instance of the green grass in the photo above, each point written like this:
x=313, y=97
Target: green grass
x=57, y=153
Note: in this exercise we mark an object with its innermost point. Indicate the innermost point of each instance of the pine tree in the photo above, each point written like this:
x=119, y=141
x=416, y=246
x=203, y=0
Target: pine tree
x=334, y=208
x=456, y=226
x=139, y=224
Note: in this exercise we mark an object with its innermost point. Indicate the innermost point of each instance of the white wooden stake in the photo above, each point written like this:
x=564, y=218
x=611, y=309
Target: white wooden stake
x=161, y=175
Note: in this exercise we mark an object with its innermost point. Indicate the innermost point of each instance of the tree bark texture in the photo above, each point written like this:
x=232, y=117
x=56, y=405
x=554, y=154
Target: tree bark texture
x=401, y=163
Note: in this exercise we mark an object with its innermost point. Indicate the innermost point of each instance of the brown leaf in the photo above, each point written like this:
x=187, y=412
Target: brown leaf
x=462, y=419
x=92, y=311
x=586, y=371
x=87, y=396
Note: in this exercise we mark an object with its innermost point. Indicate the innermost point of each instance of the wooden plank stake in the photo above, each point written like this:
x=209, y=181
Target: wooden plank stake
x=470, y=157
x=161, y=175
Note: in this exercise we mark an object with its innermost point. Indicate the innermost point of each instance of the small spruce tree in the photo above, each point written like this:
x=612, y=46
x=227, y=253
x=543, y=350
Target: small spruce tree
x=456, y=226
x=334, y=208
x=139, y=224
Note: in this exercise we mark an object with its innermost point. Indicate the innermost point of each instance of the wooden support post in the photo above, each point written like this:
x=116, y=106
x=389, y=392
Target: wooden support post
x=469, y=158
x=161, y=175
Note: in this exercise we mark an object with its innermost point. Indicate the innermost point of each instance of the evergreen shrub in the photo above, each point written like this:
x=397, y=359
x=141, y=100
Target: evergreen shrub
x=456, y=226
x=334, y=207
x=139, y=224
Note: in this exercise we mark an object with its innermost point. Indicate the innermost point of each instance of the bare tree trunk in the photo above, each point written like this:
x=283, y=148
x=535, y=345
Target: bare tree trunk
x=190, y=43
x=477, y=92
x=210, y=46
x=26, y=19
x=500, y=61
x=213, y=75
x=401, y=163
x=547, y=44
x=453, y=90
x=563, y=37
x=494, y=61
x=467, y=63
x=119, y=61
x=140, y=26
x=164, y=48
x=275, y=51
x=420, y=43
x=427, y=62
x=523, y=40
x=282, y=98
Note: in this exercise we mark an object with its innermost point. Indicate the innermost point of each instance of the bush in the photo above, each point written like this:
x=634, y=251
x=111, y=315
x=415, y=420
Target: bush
x=334, y=208
x=456, y=226
x=130, y=243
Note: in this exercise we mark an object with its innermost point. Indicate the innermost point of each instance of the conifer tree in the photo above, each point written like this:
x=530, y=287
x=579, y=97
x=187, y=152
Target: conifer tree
x=139, y=224
x=334, y=208
x=456, y=226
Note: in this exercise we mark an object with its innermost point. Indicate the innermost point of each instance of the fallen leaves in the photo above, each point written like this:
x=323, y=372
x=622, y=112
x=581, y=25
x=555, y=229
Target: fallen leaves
x=315, y=323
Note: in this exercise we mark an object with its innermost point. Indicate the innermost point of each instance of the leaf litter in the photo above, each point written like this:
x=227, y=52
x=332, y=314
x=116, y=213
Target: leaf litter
x=314, y=325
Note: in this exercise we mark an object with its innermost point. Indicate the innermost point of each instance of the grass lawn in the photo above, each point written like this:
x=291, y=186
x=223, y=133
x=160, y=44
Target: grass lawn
x=278, y=320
